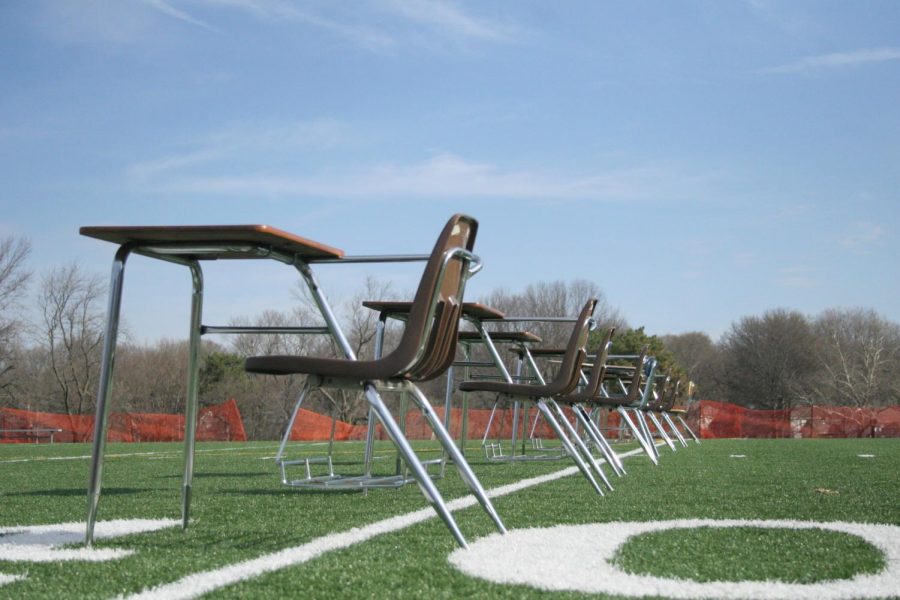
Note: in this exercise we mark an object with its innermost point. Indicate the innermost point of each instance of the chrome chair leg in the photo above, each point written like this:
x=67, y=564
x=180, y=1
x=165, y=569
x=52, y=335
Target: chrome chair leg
x=688, y=429
x=279, y=456
x=661, y=430
x=671, y=424
x=598, y=440
x=429, y=490
x=638, y=434
x=645, y=429
x=567, y=444
x=581, y=445
x=465, y=471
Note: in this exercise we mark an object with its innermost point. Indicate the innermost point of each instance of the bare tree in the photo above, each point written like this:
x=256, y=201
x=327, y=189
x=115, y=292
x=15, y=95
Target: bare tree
x=349, y=405
x=13, y=282
x=696, y=353
x=151, y=378
x=267, y=401
x=859, y=353
x=768, y=361
x=555, y=299
x=71, y=332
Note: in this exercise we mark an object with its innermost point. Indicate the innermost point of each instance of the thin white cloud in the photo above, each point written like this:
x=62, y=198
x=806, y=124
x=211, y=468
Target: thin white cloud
x=166, y=164
x=449, y=176
x=374, y=25
x=248, y=139
x=745, y=259
x=281, y=11
x=797, y=277
x=167, y=9
x=450, y=19
x=836, y=60
x=864, y=234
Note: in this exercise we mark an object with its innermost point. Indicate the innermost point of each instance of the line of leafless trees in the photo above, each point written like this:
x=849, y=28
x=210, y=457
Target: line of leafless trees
x=50, y=361
x=782, y=359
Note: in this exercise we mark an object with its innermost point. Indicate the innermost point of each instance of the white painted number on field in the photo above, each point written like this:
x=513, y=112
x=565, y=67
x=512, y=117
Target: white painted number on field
x=60, y=542
x=579, y=558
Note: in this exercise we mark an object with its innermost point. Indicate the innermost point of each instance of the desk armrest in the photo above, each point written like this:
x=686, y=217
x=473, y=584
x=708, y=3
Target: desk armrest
x=373, y=258
x=535, y=319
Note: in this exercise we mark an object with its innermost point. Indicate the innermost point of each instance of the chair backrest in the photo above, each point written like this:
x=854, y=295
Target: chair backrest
x=662, y=383
x=667, y=403
x=570, y=369
x=428, y=344
x=634, y=389
x=596, y=376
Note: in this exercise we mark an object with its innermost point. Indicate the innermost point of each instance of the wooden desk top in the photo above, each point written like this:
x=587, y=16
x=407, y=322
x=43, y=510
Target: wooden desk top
x=470, y=309
x=213, y=241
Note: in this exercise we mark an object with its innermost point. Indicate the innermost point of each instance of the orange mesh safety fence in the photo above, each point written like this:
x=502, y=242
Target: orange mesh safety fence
x=312, y=426
x=220, y=422
x=712, y=419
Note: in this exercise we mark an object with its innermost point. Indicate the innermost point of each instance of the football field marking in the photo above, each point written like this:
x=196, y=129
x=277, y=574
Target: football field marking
x=130, y=454
x=42, y=543
x=197, y=584
x=580, y=558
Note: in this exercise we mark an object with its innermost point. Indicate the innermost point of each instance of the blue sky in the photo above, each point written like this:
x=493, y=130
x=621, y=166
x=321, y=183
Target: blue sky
x=699, y=160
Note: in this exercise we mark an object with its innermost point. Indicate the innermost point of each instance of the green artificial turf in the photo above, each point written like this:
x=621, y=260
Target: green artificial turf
x=241, y=511
x=750, y=554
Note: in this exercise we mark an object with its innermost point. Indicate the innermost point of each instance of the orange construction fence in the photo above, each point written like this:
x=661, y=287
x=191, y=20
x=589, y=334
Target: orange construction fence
x=712, y=419
x=219, y=422
x=312, y=426
x=222, y=422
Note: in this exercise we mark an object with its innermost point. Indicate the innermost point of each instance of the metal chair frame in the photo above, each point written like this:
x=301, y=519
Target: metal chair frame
x=551, y=411
x=471, y=264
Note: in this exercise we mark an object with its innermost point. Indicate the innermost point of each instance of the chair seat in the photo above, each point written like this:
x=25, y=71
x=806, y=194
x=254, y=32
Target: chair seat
x=325, y=367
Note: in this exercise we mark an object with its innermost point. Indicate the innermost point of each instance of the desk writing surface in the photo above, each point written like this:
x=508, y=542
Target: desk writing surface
x=207, y=237
x=470, y=309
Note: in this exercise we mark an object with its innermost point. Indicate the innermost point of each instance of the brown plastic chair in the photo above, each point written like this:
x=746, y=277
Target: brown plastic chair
x=586, y=394
x=565, y=381
x=426, y=349
x=659, y=409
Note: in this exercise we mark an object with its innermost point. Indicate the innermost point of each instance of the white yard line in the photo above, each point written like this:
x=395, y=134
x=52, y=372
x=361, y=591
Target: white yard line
x=127, y=454
x=197, y=584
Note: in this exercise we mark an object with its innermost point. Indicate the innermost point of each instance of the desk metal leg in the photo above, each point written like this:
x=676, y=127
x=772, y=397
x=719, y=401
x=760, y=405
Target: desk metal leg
x=193, y=385
x=101, y=415
x=448, y=395
x=464, y=425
